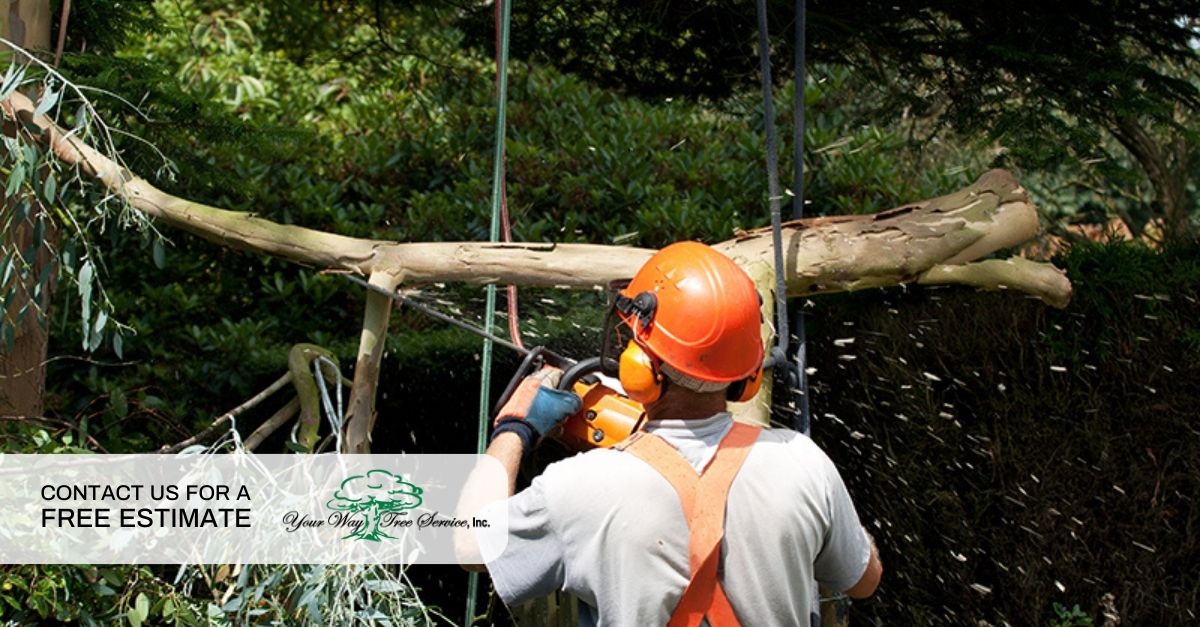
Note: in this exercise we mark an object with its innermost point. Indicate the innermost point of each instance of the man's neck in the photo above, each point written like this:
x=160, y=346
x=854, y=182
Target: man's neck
x=682, y=404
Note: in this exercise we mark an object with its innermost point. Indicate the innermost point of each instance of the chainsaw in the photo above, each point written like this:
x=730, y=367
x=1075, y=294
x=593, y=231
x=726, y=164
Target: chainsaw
x=606, y=416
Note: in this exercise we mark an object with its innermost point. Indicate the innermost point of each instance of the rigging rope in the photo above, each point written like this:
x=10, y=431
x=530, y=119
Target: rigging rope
x=514, y=324
x=802, y=422
x=792, y=375
x=499, y=205
x=334, y=415
x=778, y=358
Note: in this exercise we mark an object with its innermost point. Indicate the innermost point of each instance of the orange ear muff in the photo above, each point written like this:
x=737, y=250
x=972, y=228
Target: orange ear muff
x=639, y=374
x=745, y=389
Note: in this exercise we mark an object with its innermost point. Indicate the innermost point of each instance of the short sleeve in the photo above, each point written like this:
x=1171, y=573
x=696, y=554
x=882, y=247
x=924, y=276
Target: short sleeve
x=847, y=549
x=530, y=560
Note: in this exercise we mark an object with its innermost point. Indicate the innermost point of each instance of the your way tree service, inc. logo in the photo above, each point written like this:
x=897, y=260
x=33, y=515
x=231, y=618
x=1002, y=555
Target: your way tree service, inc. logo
x=372, y=502
x=380, y=512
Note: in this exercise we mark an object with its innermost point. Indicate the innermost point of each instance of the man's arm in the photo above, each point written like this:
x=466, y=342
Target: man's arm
x=870, y=578
x=508, y=449
x=532, y=411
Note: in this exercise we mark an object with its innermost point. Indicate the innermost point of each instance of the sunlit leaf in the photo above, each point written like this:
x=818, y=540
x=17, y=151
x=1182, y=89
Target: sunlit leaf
x=49, y=99
x=12, y=78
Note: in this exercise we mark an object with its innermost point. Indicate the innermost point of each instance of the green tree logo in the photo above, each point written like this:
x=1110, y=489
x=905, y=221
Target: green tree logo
x=373, y=495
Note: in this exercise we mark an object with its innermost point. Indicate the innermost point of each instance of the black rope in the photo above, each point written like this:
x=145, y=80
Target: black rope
x=778, y=357
x=433, y=313
x=802, y=420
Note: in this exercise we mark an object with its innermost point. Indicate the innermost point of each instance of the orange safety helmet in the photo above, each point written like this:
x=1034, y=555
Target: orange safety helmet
x=694, y=311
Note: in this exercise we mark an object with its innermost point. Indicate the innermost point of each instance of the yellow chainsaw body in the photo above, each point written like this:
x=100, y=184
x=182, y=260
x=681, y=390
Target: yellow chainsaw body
x=607, y=418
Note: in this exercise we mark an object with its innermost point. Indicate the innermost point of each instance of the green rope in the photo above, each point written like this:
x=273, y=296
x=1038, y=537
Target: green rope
x=485, y=381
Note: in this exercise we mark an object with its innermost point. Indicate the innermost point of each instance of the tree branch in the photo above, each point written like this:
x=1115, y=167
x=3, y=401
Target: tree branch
x=278, y=419
x=1037, y=279
x=823, y=254
x=227, y=416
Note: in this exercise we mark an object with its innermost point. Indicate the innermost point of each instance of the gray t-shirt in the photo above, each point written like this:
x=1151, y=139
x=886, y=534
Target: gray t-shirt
x=608, y=528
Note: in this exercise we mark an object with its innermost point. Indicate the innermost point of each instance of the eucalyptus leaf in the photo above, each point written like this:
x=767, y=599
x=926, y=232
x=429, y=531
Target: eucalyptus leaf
x=50, y=188
x=159, y=253
x=44, y=275
x=15, y=179
x=12, y=79
x=49, y=99
x=98, y=330
x=9, y=265
x=86, y=273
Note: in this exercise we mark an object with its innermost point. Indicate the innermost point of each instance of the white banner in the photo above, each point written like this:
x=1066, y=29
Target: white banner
x=240, y=508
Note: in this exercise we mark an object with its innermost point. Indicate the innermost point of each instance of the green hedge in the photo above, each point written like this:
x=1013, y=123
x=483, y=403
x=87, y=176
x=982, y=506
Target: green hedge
x=1010, y=457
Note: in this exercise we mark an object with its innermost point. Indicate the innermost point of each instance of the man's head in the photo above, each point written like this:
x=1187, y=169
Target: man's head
x=695, y=321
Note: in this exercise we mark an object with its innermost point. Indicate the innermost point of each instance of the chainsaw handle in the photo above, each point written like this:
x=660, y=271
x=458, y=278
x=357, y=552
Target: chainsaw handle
x=534, y=360
x=577, y=371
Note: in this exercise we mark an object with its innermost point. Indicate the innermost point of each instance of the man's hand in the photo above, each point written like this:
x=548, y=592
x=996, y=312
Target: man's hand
x=535, y=402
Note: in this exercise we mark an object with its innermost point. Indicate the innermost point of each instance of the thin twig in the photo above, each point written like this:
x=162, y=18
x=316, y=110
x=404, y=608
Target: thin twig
x=280, y=418
x=50, y=422
x=224, y=418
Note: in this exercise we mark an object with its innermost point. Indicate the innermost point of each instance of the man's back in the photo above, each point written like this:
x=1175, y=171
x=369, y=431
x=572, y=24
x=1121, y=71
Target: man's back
x=607, y=527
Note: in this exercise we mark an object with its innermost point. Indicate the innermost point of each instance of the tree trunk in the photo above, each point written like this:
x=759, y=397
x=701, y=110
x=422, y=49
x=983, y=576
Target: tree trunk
x=26, y=23
x=22, y=369
x=1167, y=176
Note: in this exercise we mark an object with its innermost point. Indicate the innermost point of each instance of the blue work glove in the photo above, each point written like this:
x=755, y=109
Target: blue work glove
x=535, y=407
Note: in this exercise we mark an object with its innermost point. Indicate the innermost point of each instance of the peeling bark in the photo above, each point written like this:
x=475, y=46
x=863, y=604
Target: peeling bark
x=361, y=411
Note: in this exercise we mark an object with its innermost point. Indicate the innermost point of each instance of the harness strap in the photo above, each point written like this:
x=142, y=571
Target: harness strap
x=702, y=499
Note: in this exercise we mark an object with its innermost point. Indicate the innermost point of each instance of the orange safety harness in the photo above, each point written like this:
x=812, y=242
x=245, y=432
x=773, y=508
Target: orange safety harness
x=702, y=498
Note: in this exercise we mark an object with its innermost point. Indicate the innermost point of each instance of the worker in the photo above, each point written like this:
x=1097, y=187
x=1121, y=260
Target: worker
x=695, y=517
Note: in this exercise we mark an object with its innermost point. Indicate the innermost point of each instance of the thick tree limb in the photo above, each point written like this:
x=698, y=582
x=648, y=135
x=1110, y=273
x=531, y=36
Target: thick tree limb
x=361, y=412
x=844, y=253
x=823, y=254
